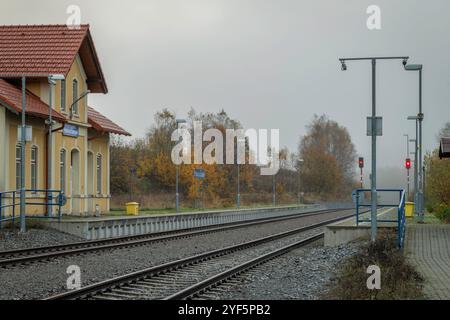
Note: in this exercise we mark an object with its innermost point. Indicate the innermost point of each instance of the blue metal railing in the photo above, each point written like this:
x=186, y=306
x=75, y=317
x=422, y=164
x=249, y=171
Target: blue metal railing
x=11, y=199
x=400, y=220
x=401, y=226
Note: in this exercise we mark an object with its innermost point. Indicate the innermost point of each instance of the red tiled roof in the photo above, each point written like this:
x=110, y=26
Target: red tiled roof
x=12, y=97
x=100, y=123
x=41, y=50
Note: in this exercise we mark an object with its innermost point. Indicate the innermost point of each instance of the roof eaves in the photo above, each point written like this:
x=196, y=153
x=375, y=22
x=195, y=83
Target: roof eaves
x=97, y=61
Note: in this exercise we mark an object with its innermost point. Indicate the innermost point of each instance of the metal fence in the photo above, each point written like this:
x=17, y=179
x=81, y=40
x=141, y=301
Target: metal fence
x=10, y=200
x=400, y=219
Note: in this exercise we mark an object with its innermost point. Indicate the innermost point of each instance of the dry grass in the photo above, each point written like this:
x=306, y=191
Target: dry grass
x=167, y=201
x=399, y=279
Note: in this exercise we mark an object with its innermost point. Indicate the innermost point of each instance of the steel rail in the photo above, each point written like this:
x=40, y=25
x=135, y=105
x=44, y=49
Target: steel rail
x=222, y=277
x=28, y=255
x=134, y=277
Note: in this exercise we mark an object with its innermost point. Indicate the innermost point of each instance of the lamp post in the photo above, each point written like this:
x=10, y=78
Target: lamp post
x=419, y=67
x=177, y=194
x=51, y=82
x=300, y=161
x=416, y=166
x=84, y=94
x=274, y=195
x=414, y=153
x=373, y=60
x=238, y=194
x=22, y=159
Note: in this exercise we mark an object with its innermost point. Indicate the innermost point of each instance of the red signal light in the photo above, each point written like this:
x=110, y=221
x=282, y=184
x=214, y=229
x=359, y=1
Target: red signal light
x=361, y=162
x=408, y=163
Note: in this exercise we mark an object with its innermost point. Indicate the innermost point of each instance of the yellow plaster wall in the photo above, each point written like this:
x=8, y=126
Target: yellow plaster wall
x=96, y=145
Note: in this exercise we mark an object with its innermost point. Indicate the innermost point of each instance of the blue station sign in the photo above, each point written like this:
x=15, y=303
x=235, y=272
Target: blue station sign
x=199, y=173
x=71, y=130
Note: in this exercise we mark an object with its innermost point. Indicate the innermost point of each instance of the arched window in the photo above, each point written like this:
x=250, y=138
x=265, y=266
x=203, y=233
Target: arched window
x=75, y=97
x=62, y=170
x=18, y=165
x=34, y=168
x=99, y=174
x=63, y=95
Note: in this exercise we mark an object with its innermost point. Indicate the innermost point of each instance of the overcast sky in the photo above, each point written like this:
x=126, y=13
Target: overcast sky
x=270, y=64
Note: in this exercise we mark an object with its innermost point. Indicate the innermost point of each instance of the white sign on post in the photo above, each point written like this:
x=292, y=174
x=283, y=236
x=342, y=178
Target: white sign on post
x=378, y=126
x=28, y=133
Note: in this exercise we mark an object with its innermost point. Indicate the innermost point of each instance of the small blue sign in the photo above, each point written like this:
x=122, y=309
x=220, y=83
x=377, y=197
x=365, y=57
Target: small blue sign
x=199, y=173
x=70, y=130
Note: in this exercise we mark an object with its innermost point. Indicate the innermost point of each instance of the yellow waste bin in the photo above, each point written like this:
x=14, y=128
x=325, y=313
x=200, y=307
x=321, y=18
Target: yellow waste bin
x=132, y=208
x=409, y=209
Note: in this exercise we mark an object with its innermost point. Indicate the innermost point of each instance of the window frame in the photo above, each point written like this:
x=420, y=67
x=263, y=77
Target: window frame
x=74, y=106
x=63, y=96
x=98, y=172
x=34, y=154
x=18, y=163
x=62, y=169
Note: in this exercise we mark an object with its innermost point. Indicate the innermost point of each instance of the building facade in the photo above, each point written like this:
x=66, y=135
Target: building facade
x=80, y=156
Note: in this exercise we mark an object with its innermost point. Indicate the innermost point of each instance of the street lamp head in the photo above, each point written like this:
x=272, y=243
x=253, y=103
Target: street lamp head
x=413, y=67
x=56, y=77
x=343, y=65
x=405, y=61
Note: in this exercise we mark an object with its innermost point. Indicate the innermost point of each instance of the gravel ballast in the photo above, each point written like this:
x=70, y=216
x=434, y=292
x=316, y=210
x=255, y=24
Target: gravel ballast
x=39, y=280
x=302, y=274
x=11, y=239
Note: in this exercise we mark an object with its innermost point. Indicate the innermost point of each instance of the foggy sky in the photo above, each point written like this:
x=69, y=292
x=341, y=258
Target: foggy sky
x=270, y=64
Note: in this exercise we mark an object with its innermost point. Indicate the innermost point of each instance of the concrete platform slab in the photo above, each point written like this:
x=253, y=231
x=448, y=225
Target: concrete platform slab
x=347, y=230
x=92, y=228
x=427, y=246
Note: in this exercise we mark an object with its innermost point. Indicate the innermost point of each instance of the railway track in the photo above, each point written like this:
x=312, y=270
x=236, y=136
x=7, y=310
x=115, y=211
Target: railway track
x=187, y=277
x=45, y=253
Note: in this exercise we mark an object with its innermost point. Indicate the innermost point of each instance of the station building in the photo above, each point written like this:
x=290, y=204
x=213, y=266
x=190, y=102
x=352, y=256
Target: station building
x=80, y=134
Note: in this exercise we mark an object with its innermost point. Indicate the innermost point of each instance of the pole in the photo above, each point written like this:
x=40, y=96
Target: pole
x=373, y=214
x=177, y=194
x=424, y=187
x=408, y=185
x=22, y=160
x=298, y=186
x=407, y=169
x=420, y=116
x=49, y=150
x=274, y=200
x=238, y=199
x=361, y=178
x=416, y=172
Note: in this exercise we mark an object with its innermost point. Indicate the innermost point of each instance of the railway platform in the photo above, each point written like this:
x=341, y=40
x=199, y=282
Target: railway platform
x=348, y=230
x=93, y=228
x=427, y=246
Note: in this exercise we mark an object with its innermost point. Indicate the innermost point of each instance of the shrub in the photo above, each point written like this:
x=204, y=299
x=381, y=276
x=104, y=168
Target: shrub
x=442, y=212
x=399, y=280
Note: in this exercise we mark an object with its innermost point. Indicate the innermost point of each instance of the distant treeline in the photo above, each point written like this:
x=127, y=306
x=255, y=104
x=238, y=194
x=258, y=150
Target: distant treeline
x=144, y=166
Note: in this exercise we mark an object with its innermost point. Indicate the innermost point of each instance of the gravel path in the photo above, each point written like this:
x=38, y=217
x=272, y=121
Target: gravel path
x=12, y=239
x=39, y=280
x=301, y=274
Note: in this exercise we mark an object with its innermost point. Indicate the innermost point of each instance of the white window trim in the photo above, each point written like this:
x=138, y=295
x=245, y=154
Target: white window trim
x=77, y=114
x=98, y=190
x=35, y=147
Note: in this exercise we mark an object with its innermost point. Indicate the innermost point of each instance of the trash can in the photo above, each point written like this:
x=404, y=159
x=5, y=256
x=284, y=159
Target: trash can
x=409, y=209
x=132, y=208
